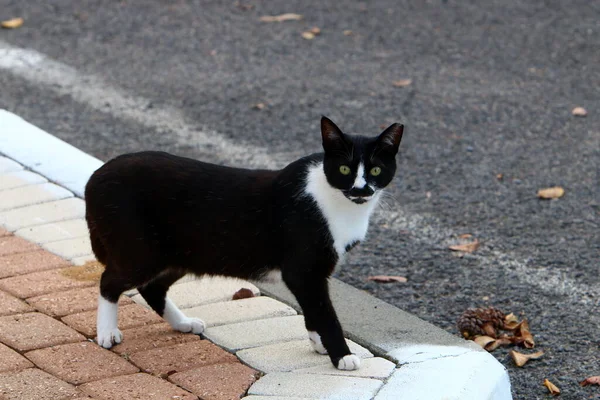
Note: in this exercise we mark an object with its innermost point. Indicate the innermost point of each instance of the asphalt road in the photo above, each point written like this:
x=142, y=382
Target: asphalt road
x=493, y=83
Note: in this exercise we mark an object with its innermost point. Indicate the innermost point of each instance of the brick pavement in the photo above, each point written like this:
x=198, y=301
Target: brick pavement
x=47, y=323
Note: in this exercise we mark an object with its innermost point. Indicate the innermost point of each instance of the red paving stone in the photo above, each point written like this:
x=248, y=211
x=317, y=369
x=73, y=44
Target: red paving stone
x=135, y=387
x=14, y=244
x=25, y=263
x=151, y=337
x=181, y=357
x=10, y=360
x=4, y=232
x=70, y=301
x=32, y=331
x=38, y=283
x=12, y=305
x=130, y=316
x=82, y=362
x=218, y=381
x=34, y=384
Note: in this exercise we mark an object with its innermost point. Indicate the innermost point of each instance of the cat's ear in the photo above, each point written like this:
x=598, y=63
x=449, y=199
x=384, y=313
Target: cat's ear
x=331, y=134
x=389, y=140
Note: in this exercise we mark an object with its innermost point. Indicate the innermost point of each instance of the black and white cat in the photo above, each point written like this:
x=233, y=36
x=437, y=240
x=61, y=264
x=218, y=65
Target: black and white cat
x=154, y=217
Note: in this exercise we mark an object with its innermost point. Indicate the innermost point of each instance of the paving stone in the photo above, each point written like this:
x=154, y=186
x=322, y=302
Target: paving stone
x=230, y=312
x=69, y=302
x=274, y=398
x=13, y=245
x=4, y=232
x=70, y=248
x=315, y=386
x=55, y=231
x=376, y=368
x=204, y=291
x=38, y=283
x=83, y=259
x=32, y=331
x=81, y=362
x=15, y=179
x=288, y=356
x=8, y=165
x=135, y=387
x=151, y=337
x=41, y=214
x=217, y=382
x=32, y=194
x=12, y=305
x=34, y=384
x=10, y=360
x=181, y=357
x=130, y=316
x=244, y=335
x=32, y=261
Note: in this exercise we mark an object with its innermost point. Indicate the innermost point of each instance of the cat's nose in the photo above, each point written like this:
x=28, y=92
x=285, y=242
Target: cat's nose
x=365, y=191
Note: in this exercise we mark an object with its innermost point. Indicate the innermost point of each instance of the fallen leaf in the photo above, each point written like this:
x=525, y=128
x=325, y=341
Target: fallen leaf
x=511, y=322
x=243, y=293
x=12, y=23
x=466, y=247
x=348, y=32
x=592, y=380
x=402, y=82
x=484, y=340
x=554, y=390
x=387, y=278
x=281, y=18
x=499, y=176
x=308, y=35
x=503, y=341
x=259, y=106
x=579, y=112
x=551, y=193
x=465, y=236
x=521, y=359
x=315, y=30
x=522, y=335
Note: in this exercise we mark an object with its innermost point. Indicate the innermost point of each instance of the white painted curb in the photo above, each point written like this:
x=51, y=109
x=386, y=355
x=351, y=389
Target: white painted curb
x=45, y=154
x=426, y=372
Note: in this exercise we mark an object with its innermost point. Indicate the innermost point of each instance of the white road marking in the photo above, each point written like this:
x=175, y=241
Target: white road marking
x=95, y=92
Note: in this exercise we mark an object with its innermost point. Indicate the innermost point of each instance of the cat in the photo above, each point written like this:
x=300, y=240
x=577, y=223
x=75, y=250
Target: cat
x=154, y=217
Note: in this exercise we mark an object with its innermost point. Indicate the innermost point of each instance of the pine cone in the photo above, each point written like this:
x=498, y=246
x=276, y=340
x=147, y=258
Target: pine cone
x=480, y=321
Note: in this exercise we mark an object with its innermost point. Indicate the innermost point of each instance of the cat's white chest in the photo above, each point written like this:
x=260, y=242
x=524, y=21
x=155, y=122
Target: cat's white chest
x=347, y=222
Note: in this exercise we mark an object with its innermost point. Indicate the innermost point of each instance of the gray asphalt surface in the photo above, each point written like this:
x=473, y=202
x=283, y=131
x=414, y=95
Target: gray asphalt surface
x=493, y=86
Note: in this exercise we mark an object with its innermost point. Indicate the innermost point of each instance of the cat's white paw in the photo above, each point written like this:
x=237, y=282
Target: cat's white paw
x=187, y=324
x=315, y=342
x=350, y=362
x=107, y=337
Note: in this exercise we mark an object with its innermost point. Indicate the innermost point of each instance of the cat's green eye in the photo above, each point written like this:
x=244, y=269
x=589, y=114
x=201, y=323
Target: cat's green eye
x=375, y=171
x=344, y=170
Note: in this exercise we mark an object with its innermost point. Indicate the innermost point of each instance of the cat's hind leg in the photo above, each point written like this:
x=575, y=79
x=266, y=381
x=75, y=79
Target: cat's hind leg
x=155, y=294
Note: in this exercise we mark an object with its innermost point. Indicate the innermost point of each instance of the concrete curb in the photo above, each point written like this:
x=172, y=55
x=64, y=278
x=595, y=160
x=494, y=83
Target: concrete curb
x=423, y=353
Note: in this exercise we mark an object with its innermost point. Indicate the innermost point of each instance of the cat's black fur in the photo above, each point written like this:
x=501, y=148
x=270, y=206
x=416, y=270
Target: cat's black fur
x=153, y=217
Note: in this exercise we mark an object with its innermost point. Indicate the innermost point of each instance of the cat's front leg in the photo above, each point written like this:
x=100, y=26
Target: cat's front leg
x=324, y=329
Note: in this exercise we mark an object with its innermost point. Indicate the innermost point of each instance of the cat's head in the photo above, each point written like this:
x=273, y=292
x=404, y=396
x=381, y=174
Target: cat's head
x=359, y=166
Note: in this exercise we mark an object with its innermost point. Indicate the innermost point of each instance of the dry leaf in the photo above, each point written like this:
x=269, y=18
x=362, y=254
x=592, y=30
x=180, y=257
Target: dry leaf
x=315, y=30
x=12, y=23
x=579, y=112
x=402, y=82
x=551, y=193
x=522, y=335
x=348, y=32
x=592, y=380
x=387, y=278
x=466, y=247
x=554, y=390
x=483, y=341
x=499, y=176
x=308, y=35
x=465, y=236
x=511, y=322
x=521, y=359
x=503, y=341
x=281, y=18
x=243, y=293
x=259, y=106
